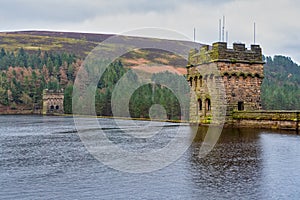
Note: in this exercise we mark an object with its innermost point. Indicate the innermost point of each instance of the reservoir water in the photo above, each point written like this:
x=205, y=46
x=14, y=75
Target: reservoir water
x=44, y=158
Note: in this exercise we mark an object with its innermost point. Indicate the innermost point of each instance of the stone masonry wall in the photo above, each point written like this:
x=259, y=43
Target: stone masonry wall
x=279, y=119
x=242, y=83
x=53, y=102
x=239, y=69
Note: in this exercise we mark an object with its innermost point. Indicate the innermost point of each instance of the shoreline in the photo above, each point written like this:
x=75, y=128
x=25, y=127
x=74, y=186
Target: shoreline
x=291, y=125
x=91, y=116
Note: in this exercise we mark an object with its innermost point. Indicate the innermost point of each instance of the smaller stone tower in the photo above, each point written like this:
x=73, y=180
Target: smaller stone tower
x=53, y=102
x=240, y=69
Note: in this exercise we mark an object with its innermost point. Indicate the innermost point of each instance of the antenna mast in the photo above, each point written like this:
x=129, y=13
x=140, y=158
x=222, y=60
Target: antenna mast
x=194, y=34
x=220, y=27
x=226, y=36
x=254, y=32
x=223, y=29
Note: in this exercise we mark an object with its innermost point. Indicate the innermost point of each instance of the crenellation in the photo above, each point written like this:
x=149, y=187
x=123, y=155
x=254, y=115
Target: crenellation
x=239, y=47
x=220, y=52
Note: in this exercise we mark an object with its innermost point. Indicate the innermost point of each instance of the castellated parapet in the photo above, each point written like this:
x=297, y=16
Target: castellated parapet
x=219, y=52
x=239, y=68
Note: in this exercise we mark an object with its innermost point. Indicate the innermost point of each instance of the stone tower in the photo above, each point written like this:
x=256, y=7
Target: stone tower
x=53, y=102
x=239, y=68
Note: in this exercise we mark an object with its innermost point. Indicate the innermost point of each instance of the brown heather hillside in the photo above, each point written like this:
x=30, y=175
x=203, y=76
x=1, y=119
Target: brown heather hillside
x=81, y=44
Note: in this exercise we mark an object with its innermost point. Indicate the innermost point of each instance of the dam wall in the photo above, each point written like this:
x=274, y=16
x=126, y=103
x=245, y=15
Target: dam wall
x=268, y=119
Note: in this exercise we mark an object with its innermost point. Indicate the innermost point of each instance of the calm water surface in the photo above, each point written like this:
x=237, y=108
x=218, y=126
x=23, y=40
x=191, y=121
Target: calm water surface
x=44, y=158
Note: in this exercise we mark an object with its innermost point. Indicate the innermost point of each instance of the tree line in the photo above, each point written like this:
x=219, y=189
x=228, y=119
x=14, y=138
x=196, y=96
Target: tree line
x=24, y=76
x=35, y=60
x=281, y=84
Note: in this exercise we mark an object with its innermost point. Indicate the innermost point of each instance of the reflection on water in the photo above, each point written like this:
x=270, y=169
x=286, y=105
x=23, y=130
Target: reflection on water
x=44, y=158
x=232, y=169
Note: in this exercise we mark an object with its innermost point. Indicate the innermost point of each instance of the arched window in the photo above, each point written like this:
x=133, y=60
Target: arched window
x=240, y=105
x=191, y=81
x=200, y=104
x=207, y=104
x=196, y=79
x=51, y=107
x=200, y=81
x=57, y=107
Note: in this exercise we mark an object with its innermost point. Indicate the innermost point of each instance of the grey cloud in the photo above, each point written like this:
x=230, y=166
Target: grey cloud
x=71, y=11
x=276, y=25
x=75, y=10
x=162, y=5
x=45, y=10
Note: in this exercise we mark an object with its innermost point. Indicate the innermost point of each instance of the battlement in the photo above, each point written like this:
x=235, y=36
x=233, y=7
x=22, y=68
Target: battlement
x=53, y=92
x=220, y=52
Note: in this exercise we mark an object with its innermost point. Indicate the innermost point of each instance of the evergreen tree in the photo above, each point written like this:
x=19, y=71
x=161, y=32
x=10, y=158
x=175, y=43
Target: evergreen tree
x=281, y=85
x=2, y=53
x=68, y=99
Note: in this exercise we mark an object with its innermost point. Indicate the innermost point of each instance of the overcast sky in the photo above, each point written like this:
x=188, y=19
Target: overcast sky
x=277, y=21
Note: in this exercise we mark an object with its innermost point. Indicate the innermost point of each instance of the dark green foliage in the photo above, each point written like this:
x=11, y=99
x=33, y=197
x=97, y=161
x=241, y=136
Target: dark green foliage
x=281, y=85
x=106, y=85
x=111, y=75
x=22, y=58
x=34, y=60
x=70, y=73
x=68, y=99
x=16, y=91
x=53, y=84
x=150, y=94
x=3, y=89
x=2, y=53
x=143, y=97
x=141, y=101
x=165, y=91
x=176, y=87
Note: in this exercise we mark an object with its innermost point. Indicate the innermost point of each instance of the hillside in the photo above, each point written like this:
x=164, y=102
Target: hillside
x=48, y=41
x=31, y=61
x=281, y=85
x=81, y=44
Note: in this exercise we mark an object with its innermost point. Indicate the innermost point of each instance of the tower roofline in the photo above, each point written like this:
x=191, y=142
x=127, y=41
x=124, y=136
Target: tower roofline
x=220, y=52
